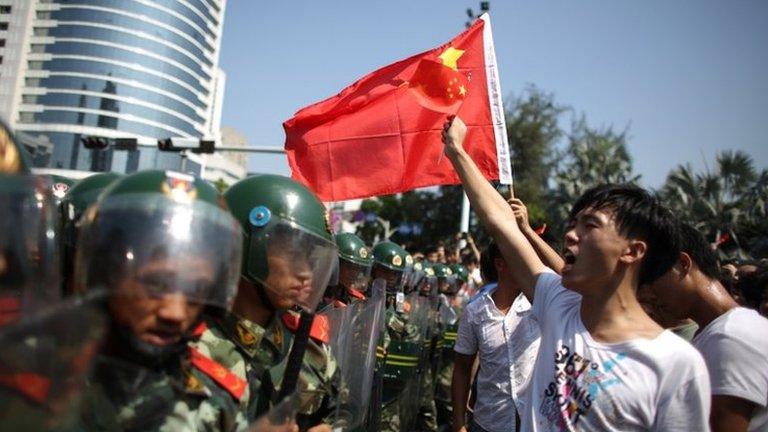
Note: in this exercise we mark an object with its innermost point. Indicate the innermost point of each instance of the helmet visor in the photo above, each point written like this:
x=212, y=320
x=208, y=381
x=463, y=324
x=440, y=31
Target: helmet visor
x=299, y=264
x=354, y=275
x=148, y=245
x=393, y=278
x=29, y=275
x=447, y=284
x=428, y=286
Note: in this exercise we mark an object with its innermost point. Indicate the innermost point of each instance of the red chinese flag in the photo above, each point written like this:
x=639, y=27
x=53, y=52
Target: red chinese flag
x=382, y=134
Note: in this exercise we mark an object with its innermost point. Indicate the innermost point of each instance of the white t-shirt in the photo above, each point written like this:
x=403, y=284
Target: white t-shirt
x=580, y=384
x=507, y=347
x=735, y=347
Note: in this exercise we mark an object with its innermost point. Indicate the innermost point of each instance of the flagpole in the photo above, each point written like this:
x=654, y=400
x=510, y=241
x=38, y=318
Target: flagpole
x=464, y=224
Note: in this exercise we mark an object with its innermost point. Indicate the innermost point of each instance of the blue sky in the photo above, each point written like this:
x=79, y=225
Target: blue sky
x=689, y=78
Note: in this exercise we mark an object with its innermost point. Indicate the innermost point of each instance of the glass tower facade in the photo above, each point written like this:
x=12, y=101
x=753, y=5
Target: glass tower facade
x=144, y=69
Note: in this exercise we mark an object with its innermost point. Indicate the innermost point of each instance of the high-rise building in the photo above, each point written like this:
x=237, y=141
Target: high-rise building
x=111, y=68
x=228, y=167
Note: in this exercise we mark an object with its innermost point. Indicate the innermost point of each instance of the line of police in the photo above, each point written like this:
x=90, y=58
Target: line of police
x=151, y=302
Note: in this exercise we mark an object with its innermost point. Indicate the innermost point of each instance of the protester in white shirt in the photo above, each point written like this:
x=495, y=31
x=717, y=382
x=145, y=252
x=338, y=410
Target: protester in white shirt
x=603, y=364
x=732, y=339
x=497, y=328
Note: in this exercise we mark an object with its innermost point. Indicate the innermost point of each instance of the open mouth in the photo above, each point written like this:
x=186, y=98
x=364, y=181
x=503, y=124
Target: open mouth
x=163, y=338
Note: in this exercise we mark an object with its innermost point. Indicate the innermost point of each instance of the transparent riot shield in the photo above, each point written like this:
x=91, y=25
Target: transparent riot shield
x=356, y=357
x=418, y=325
x=44, y=361
x=448, y=315
x=280, y=418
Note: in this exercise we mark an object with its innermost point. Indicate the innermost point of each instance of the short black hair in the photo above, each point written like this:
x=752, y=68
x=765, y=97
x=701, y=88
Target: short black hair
x=692, y=242
x=753, y=285
x=640, y=215
x=487, y=265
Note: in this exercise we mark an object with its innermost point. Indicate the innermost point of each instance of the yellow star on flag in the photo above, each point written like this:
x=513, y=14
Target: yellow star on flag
x=462, y=90
x=450, y=56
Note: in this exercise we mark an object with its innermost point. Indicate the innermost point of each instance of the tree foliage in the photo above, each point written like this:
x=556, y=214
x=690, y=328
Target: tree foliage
x=732, y=199
x=533, y=132
x=593, y=157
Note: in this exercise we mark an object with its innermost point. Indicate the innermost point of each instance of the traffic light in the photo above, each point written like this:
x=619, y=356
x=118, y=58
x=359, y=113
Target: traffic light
x=193, y=145
x=206, y=146
x=130, y=144
x=166, y=145
x=94, y=142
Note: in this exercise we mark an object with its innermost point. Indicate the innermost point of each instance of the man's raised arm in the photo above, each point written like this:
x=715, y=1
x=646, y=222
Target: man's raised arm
x=493, y=211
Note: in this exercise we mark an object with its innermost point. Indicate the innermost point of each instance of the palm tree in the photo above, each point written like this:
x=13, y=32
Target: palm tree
x=720, y=201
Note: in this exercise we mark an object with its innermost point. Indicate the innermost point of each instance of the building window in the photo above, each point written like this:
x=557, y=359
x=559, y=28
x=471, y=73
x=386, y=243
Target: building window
x=4, y=10
x=37, y=48
x=1, y=59
x=44, y=15
x=41, y=31
x=3, y=26
x=2, y=42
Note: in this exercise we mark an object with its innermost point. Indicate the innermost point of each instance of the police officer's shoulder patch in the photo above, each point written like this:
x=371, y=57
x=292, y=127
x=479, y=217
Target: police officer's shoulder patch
x=363, y=252
x=230, y=382
x=397, y=260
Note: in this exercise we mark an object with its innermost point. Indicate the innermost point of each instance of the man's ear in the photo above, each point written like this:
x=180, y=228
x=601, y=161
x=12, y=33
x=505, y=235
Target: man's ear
x=633, y=252
x=684, y=264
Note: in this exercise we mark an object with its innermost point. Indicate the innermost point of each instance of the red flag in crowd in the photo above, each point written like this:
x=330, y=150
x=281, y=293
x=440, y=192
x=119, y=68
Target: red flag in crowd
x=382, y=134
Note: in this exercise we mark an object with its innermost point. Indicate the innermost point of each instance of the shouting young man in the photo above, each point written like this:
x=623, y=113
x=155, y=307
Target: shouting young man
x=603, y=364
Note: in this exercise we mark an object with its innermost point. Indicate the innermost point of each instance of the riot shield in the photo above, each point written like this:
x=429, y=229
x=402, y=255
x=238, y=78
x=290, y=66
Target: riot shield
x=356, y=357
x=448, y=315
x=280, y=418
x=44, y=362
x=418, y=324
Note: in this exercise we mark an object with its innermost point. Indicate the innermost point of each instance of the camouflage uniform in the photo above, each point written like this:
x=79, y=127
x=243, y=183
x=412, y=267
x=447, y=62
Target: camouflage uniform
x=316, y=387
x=401, y=346
x=427, y=416
x=177, y=397
x=444, y=373
x=241, y=346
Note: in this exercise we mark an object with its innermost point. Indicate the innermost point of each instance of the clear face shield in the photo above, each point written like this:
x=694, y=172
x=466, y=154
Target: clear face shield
x=392, y=278
x=448, y=285
x=29, y=262
x=428, y=286
x=299, y=264
x=353, y=275
x=146, y=246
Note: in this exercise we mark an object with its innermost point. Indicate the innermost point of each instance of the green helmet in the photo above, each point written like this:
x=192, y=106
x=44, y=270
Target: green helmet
x=81, y=196
x=29, y=264
x=461, y=272
x=427, y=284
x=166, y=232
x=60, y=185
x=355, y=261
x=390, y=255
x=78, y=198
x=389, y=263
x=353, y=249
x=282, y=218
x=446, y=280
